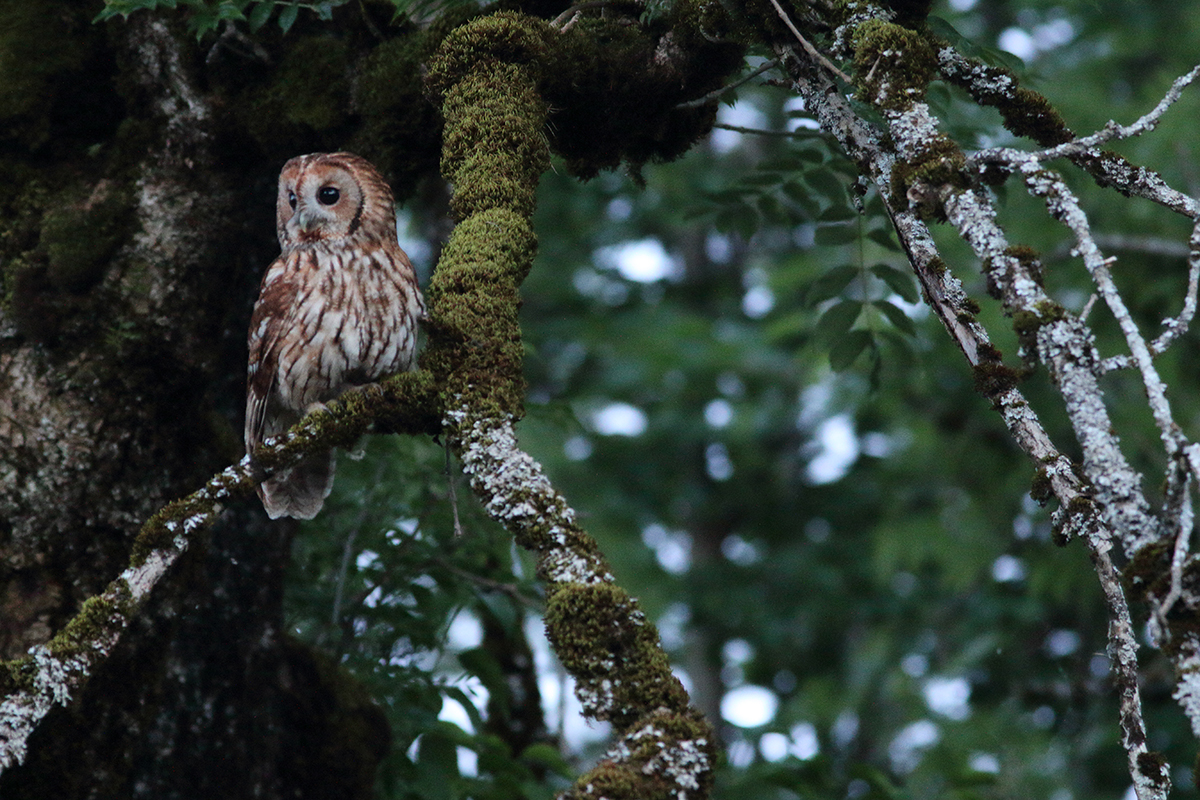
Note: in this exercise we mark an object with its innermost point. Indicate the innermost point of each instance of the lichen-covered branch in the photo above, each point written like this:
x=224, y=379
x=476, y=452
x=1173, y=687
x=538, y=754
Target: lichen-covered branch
x=922, y=174
x=488, y=75
x=52, y=673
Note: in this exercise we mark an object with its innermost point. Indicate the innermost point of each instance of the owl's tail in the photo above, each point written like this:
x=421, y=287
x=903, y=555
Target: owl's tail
x=299, y=492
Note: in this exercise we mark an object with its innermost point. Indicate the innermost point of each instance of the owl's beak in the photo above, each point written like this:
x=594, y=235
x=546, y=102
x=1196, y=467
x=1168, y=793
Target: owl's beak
x=307, y=220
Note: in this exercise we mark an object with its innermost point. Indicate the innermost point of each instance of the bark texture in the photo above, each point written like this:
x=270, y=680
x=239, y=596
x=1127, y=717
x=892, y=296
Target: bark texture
x=136, y=224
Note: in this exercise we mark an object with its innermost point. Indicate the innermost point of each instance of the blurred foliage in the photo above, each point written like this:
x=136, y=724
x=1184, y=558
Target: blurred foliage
x=204, y=16
x=782, y=455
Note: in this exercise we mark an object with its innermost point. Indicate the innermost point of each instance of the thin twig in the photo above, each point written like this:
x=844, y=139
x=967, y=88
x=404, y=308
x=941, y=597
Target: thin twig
x=1183, y=538
x=803, y=133
x=1087, y=307
x=808, y=48
x=713, y=95
x=584, y=6
x=450, y=482
x=491, y=584
x=348, y=549
x=1122, y=653
x=1112, y=130
x=1064, y=206
x=1174, y=328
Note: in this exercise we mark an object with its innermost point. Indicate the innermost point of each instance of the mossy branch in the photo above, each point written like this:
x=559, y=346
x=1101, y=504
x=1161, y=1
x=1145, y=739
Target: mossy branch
x=487, y=73
x=54, y=672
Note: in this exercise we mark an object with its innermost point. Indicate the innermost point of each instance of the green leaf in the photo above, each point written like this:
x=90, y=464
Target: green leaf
x=761, y=178
x=204, y=20
x=741, y=219
x=287, y=17
x=229, y=11
x=884, y=238
x=896, y=316
x=464, y=700
x=439, y=753
x=810, y=154
x=789, y=163
x=847, y=348
x=823, y=180
x=838, y=319
x=899, y=282
x=802, y=196
x=483, y=665
x=549, y=757
x=836, y=234
x=789, y=330
x=261, y=15
x=830, y=284
x=838, y=213
x=772, y=210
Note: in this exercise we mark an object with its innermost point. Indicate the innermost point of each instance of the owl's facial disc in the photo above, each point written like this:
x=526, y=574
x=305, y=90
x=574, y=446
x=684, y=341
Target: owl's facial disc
x=326, y=206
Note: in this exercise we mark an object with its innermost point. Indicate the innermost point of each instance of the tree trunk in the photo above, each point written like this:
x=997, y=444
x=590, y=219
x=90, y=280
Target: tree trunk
x=132, y=235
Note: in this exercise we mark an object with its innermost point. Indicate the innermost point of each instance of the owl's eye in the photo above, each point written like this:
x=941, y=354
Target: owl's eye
x=292, y=200
x=328, y=195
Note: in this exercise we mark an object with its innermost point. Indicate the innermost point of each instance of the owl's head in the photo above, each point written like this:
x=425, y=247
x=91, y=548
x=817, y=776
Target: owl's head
x=332, y=198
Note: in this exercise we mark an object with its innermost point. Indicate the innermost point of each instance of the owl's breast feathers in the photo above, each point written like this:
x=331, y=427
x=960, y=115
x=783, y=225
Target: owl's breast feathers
x=327, y=319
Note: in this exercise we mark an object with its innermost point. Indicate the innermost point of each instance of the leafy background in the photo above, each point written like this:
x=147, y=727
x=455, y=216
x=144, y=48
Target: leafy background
x=734, y=383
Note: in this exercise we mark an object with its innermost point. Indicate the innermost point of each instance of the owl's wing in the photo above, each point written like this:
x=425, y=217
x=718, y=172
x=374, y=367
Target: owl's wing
x=272, y=314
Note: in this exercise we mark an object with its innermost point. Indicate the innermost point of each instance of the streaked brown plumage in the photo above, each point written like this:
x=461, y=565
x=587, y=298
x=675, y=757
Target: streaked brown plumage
x=337, y=309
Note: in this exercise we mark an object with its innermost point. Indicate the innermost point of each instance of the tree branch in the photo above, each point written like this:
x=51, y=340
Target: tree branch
x=55, y=672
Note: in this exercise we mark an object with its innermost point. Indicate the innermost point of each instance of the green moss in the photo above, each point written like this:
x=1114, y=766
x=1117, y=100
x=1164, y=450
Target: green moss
x=400, y=130
x=1147, y=568
x=710, y=21
x=599, y=633
x=993, y=378
x=501, y=107
x=408, y=404
x=162, y=528
x=308, y=97
x=615, y=88
x=612, y=780
x=1027, y=324
x=79, y=238
x=892, y=64
x=475, y=348
x=44, y=47
x=13, y=676
x=99, y=618
x=989, y=352
x=920, y=182
x=1030, y=260
x=1025, y=112
x=505, y=37
x=629, y=778
x=1041, y=490
x=1050, y=311
x=590, y=627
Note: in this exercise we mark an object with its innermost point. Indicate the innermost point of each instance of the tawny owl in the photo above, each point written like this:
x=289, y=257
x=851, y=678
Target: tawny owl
x=337, y=309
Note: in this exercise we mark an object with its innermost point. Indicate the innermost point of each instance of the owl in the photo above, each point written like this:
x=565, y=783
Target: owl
x=338, y=309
